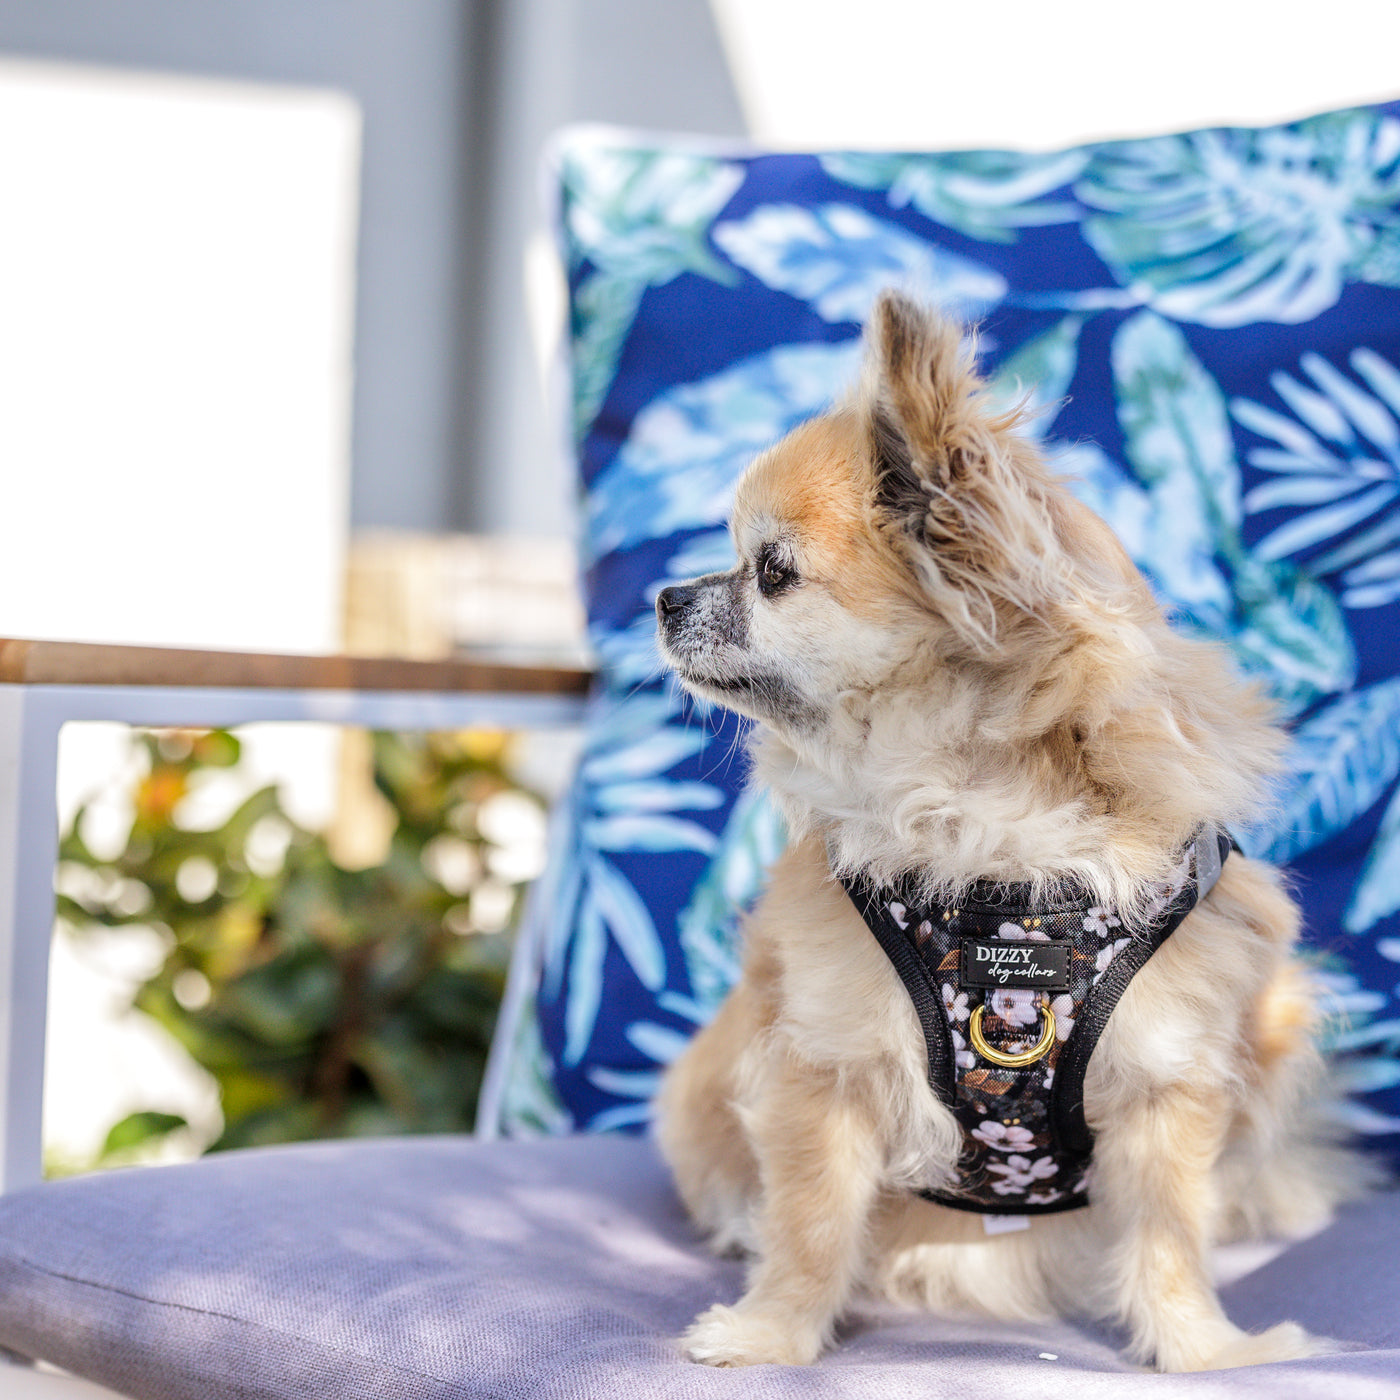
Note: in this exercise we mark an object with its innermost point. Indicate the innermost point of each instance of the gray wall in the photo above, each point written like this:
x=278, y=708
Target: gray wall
x=457, y=97
x=644, y=63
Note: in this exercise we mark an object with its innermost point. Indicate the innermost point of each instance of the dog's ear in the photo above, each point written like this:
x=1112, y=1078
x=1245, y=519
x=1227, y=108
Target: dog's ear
x=963, y=491
x=927, y=433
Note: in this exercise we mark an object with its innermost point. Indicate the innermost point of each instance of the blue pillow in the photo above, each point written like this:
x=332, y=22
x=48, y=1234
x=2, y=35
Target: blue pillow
x=1210, y=326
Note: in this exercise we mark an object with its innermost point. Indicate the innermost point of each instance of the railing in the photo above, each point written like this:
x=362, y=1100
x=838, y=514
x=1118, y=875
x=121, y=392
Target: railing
x=45, y=685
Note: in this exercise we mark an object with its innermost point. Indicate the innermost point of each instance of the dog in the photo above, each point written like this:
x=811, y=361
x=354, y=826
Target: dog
x=965, y=693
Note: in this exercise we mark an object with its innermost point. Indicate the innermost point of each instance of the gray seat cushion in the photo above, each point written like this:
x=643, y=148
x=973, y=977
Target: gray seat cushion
x=440, y=1267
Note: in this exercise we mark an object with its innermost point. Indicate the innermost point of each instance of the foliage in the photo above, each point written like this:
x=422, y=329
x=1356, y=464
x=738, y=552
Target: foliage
x=326, y=1002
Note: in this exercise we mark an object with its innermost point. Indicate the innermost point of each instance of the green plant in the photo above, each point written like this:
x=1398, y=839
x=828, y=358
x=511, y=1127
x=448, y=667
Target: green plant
x=325, y=1002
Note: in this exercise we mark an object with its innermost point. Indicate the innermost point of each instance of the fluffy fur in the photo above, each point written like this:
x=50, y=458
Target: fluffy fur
x=958, y=671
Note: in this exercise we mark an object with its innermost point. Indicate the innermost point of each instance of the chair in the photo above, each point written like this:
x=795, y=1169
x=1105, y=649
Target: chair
x=1232, y=409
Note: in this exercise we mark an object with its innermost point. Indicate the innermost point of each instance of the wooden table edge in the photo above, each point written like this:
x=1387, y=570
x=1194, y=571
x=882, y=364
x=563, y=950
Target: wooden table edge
x=36, y=662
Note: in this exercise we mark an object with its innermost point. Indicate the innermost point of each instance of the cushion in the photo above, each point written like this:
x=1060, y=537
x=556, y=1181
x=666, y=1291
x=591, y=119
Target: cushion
x=1208, y=325
x=434, y=1268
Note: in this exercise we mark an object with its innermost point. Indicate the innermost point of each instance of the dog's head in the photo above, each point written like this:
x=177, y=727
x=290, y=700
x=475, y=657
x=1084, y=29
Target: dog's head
x=935, y=634
x=912, y=526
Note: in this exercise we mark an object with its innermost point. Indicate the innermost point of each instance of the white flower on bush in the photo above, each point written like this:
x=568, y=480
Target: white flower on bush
x=1004, y=1137
x=1015, y=1006
x=955, y=1003
x=1099, y=920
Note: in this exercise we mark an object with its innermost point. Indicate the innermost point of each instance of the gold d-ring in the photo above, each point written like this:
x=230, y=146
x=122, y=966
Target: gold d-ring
x=1026, y=1057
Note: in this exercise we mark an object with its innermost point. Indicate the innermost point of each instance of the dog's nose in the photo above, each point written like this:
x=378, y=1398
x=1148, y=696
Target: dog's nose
x=672, y=600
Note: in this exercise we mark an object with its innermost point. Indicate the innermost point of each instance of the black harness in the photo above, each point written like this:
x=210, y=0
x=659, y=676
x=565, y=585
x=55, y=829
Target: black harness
x=1012, y=1000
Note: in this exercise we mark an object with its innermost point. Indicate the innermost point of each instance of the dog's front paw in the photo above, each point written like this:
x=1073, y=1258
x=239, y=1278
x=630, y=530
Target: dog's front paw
x=1285, y=1342
x=723, y=1336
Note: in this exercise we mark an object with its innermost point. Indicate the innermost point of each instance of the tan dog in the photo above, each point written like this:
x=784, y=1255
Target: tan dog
x=960, y=676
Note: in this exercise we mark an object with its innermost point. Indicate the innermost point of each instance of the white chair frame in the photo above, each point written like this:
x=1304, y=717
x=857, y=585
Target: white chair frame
x=45, y=685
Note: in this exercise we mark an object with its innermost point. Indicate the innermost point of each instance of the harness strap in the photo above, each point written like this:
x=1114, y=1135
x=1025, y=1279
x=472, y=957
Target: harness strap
x=1027, y=1143
x=917, y=982
x=1067, y=1094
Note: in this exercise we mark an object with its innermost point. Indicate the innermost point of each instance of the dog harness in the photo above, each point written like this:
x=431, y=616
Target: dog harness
x=1012, y=999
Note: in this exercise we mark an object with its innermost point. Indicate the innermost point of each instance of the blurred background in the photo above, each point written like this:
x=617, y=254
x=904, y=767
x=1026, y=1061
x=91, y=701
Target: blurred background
x=277, y=372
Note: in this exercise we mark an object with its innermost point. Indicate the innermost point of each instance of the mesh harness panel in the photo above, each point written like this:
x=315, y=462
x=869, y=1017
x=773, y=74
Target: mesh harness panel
x=996, y=979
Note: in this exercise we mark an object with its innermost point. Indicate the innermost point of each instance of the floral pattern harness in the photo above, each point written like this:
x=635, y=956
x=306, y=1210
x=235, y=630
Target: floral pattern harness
x=1012, y=1000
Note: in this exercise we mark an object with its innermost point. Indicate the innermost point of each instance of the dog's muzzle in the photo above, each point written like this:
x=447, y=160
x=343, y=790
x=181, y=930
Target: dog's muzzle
x=672, y=602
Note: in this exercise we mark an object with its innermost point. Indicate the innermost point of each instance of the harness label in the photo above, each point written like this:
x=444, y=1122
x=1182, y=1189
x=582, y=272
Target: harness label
x=992, y=962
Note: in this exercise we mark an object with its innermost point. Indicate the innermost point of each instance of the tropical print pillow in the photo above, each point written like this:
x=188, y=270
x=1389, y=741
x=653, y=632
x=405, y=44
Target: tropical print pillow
x=1209, y=325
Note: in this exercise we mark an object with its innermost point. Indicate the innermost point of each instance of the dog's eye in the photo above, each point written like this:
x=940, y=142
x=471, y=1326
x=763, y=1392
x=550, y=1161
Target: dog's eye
x=773, y=574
